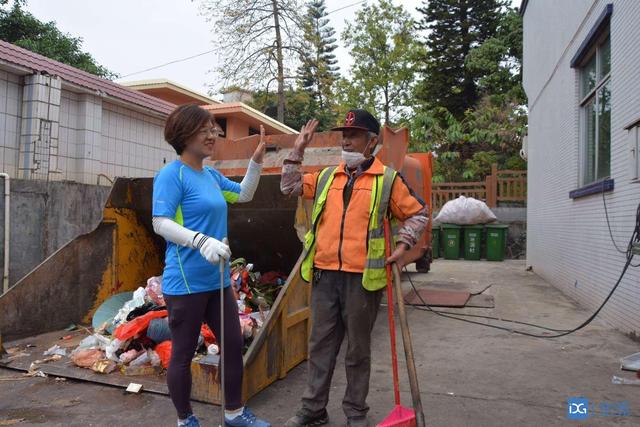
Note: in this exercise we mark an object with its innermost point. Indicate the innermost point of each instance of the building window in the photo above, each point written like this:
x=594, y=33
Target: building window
x=634, y=146
x=595, y=104
x=636, y=137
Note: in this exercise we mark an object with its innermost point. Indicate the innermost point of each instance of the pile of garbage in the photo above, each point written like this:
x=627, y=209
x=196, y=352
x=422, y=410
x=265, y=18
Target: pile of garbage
x=134, y=336
x=256, y=293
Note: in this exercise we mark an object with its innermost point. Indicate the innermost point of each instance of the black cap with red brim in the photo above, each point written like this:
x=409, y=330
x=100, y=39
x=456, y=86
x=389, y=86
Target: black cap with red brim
x=360, y=120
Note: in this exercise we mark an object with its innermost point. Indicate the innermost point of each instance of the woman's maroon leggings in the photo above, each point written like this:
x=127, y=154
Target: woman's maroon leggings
x=186, y=314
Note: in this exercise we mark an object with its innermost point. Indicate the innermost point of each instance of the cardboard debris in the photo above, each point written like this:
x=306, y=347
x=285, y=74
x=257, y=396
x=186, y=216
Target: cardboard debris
x=35, y=374
x=134, y=388
x=104, y=366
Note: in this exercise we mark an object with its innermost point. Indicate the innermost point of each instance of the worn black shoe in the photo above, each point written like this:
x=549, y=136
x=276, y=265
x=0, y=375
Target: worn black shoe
x=358, y=422
x=303, y=420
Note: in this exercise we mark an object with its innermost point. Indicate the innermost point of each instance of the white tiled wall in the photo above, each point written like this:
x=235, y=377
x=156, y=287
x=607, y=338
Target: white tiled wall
x=95, y=137
x=40, y=107
x=10, y=111
x=568, y=241
x=133, y=143
x=102, y=138
x=68, y=155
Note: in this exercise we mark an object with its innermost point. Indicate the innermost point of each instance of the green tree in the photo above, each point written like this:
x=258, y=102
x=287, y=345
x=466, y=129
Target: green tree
x=382, y=43
x=454, y=28
x=466, y=148
x=318, y=71
x=498, y=61
x=19, y=27
x=257, y=38
x=350, y=95
x=296, y=112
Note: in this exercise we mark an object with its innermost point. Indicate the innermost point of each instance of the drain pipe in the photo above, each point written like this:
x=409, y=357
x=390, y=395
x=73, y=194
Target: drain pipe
x=7, y=229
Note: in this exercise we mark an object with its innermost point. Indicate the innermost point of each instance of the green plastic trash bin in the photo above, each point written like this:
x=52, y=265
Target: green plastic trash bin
x=435, y=241
x=496, y=241
x=472, y=240
x=451, y=241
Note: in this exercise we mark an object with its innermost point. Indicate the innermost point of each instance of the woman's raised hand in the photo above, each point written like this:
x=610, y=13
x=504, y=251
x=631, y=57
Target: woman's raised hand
x=258, y=155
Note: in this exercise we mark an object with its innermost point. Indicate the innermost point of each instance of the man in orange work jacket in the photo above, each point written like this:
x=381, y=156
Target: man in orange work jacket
x=346, y=260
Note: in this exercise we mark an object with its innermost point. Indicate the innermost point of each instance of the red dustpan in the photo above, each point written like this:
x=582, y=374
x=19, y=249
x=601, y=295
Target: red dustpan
x=399, y=416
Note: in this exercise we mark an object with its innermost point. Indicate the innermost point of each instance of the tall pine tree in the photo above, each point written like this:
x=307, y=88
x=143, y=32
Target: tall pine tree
x=318, y=71
x=455, y=27
x=499, y=62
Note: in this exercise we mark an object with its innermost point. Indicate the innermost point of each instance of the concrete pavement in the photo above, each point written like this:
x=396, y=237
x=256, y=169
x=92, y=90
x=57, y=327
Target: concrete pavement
x=469, y=375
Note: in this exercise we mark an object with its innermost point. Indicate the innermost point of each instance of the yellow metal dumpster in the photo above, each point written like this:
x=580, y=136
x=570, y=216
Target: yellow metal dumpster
x=123, y=252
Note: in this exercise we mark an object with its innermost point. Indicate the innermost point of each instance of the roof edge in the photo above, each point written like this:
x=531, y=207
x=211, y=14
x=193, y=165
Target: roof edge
x=17, y=57
x=166, y=83
x=255, y=114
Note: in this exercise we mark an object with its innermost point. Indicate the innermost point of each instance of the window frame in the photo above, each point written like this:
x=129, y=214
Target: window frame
x=633, y=135
x=636, y=136
x=593, y=53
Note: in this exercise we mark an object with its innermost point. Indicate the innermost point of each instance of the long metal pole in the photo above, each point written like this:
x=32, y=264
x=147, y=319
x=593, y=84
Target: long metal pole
x=223, y=263
x=7, y=230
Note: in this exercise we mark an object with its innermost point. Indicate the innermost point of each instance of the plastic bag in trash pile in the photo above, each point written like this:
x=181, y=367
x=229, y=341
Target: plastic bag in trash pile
x=465, y=211
x=137, y=300
x=154, y=290
x=164, y=352
x=86, y=358
x=138, y=325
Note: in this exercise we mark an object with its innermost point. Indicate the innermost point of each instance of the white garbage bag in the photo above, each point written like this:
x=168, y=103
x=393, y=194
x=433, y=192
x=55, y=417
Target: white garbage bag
x=137, y=300
x=465, y=211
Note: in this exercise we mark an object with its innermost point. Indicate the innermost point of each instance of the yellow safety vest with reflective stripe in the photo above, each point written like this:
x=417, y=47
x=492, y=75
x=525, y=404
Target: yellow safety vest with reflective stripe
x=374, y=276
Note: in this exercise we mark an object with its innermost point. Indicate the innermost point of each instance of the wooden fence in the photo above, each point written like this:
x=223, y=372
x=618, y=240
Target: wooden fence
x=501, y=187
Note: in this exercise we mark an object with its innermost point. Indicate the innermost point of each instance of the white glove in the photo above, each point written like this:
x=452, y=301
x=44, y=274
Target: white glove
x=212, y=249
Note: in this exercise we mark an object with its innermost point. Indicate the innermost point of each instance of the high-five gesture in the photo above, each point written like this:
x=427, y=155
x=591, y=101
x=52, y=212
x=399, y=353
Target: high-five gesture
x=258, y=155
x=305, y=136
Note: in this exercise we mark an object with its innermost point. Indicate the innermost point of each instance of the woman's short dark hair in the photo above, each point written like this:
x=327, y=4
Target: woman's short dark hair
x=184, y=122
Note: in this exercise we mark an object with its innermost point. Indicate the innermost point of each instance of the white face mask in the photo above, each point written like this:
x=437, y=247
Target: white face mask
x=353, y=159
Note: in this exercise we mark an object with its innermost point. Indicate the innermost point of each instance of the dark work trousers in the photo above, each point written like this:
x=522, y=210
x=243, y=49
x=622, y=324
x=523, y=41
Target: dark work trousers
x=186, y=314
x=340, y=306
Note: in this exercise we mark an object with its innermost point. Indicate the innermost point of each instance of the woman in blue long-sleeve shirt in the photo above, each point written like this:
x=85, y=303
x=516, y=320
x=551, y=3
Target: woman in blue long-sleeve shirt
x=190, y=212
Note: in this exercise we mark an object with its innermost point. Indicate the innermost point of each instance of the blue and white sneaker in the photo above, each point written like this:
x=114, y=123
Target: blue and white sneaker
x=191, y=421
x=246, y=419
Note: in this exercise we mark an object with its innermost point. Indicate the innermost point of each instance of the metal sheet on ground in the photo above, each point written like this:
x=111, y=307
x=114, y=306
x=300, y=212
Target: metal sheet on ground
x=66, y=369
x=473, y=287
x=478, y=298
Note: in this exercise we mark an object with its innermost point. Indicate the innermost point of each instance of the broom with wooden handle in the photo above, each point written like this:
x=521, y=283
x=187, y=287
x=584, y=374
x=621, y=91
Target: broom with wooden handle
x=408, y=350
x=400, y=416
